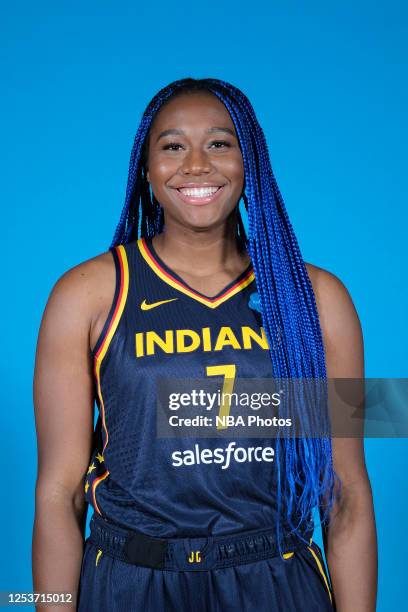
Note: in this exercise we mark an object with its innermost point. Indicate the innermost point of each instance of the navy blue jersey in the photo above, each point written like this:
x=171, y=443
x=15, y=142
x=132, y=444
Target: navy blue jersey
x=158, y=326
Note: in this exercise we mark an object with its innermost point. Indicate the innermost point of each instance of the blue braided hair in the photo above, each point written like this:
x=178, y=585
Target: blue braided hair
x=306, y=479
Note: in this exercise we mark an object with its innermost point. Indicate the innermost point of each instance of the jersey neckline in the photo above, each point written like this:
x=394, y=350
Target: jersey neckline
x=161, y=269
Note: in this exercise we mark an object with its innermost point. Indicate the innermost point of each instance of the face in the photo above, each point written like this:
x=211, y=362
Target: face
x=194, y=162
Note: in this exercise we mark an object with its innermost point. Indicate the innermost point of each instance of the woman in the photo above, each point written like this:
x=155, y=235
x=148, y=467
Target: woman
x=185, y=292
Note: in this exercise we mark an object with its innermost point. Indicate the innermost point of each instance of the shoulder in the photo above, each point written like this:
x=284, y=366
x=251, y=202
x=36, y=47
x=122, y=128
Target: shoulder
x=329, y=290
x=85, y=278
x=81, y=292
x=339, y=321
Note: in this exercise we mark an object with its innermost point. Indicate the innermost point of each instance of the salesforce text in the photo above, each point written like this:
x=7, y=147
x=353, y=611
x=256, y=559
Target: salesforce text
x=222, y=456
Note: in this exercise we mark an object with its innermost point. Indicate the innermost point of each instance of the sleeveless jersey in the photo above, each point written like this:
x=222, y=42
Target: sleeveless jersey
x=158, y=326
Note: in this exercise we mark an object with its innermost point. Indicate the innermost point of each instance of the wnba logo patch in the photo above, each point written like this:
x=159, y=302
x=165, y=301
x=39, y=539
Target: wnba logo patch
x=254, y=301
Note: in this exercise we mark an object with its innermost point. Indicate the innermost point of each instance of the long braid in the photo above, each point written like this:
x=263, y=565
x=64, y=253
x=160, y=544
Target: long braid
x=305, y=472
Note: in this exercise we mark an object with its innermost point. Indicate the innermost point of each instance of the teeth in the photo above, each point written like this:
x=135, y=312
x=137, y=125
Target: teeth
x=201, y=192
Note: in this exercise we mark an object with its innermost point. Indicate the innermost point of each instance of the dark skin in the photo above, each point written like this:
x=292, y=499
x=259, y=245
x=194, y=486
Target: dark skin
x=204, y=233
x=199, y=245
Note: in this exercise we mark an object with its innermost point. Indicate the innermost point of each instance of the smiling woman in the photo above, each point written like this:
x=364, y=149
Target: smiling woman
x=186, y=291
x=208, y=148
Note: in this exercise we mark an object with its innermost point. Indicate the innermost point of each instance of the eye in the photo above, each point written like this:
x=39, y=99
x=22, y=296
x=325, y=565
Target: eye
x=175, y=146
x=221, y=142
x=170, y=146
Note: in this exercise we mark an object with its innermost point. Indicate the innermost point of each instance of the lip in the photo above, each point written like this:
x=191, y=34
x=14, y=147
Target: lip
x=199, y=201
x=197, y=185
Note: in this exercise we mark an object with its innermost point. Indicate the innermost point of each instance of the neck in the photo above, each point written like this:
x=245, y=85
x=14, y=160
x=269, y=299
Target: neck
x=204, y=252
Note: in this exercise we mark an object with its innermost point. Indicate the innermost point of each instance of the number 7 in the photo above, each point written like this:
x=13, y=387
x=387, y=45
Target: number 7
x=228, y=371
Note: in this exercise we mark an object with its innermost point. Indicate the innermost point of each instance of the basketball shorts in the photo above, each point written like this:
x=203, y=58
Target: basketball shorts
x=126, y=571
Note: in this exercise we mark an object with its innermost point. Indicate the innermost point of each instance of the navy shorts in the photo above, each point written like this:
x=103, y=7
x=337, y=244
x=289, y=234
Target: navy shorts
x=238, y=573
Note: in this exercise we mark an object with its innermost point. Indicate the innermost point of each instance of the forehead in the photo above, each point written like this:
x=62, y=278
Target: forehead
x=198, y=109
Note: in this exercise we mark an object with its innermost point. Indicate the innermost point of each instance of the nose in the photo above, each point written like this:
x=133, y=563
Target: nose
x=196, y=162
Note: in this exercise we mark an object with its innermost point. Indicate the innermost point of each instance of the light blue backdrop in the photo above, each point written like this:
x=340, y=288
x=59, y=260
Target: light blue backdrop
x=328, y=83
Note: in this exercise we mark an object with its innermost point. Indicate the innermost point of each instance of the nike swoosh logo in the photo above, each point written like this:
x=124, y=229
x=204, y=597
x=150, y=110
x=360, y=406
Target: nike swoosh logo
x=145, y=306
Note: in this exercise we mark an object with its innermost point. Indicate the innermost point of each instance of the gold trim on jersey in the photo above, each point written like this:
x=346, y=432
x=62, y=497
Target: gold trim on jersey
x=120, y=305
x=176, y=284
x=321, y=570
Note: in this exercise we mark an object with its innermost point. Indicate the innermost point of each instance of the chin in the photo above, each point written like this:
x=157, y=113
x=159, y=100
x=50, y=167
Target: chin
x=202, y=222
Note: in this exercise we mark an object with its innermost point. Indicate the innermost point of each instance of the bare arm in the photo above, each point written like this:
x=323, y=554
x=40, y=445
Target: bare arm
x=350, y=541
x=63, y=400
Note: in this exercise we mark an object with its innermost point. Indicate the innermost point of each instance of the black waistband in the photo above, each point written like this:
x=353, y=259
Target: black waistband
x=192, y=553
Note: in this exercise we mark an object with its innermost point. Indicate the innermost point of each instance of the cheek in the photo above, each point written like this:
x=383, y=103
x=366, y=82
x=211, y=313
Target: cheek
x=161, y=169
x=233, y=165
x=235, y=171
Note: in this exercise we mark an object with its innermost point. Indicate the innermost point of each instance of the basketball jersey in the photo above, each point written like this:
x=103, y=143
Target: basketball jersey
x=158, y=326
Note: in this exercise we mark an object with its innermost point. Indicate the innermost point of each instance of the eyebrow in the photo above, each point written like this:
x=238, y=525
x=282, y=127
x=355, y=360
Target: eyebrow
x=177, y=132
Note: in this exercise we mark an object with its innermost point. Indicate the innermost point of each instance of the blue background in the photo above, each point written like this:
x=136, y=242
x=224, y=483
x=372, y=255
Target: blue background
x=328, y=84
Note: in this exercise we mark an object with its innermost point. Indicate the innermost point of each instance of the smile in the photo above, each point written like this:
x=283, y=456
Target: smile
x=200, y=195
